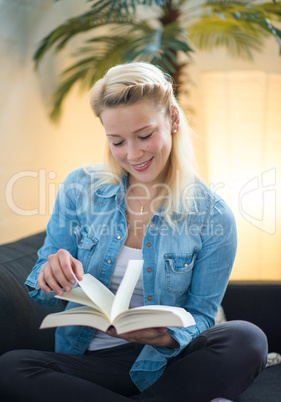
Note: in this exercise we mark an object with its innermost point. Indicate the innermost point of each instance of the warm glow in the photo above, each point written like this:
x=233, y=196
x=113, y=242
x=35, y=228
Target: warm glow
x=242, y=117
x=35, y=154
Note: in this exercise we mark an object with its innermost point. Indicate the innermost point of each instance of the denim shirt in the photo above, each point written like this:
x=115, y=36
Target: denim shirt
x=186, y=265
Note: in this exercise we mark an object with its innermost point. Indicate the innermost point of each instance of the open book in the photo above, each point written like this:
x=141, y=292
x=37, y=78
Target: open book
x=102, y=309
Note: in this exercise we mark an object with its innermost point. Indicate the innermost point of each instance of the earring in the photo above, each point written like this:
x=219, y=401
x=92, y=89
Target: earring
x=174, y=131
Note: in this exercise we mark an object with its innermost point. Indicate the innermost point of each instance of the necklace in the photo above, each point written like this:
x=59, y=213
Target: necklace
x=142, y=206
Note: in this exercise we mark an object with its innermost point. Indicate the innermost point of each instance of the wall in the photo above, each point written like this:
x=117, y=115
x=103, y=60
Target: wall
x=36, y=155
x=243, y=157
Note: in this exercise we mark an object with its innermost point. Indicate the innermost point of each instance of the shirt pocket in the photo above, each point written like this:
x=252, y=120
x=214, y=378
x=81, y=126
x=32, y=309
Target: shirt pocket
x=86, y=244
x=179, y=269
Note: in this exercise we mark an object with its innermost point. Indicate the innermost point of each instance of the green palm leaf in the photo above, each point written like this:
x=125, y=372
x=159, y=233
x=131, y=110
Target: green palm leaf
x=164, y=37
x=102, y=12
x=238, y=25
x=89, y=69
x=239, y=39
x=59, y=37
x=160, y=46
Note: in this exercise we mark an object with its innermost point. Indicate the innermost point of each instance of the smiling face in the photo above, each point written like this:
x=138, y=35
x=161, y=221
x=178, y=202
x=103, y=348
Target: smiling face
x=140, y=140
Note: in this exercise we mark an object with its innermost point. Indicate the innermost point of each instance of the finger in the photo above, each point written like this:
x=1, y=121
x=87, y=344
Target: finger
x=71, y=268
x=57, y=273
x=148, y=332
x=57, y=276
x=47, y=281
x=66, y=274
x=41, y=281
x=111, y=331
x=162, y=330
x=77, y=269
x=149, y=336
x=52, y=276
x=140, y=336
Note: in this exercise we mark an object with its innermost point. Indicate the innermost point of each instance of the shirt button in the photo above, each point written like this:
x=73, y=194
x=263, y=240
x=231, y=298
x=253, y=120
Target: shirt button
x=109, y=261
x=148, y=244
x=149, y=269
x=118, y=237
x=149, y=297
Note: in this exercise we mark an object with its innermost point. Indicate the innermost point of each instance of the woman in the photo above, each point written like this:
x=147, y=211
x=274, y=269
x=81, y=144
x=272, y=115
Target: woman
x=148, y=203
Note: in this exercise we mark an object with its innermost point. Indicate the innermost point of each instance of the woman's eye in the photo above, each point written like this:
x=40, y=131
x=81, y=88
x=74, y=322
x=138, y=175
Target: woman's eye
x=117, y=144
x=146, y=137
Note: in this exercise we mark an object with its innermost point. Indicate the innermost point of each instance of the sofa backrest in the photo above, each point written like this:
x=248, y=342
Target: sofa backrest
x=258, y=302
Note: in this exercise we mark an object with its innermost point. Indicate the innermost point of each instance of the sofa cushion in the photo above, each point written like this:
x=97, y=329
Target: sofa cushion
x=20, y=316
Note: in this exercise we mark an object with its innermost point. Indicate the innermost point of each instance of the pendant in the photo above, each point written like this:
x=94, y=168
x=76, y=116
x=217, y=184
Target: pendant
x=141, y=210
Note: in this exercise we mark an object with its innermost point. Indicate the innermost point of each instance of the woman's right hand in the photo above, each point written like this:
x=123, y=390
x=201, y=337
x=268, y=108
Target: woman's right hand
x=58, y=273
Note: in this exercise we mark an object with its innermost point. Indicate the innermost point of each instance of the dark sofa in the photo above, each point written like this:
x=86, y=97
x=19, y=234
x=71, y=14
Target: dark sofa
x=20, y=317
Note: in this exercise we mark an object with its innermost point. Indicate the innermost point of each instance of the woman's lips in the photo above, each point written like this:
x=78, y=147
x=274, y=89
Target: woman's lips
x=142, y=166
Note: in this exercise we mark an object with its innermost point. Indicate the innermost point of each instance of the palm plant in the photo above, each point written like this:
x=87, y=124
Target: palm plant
x=163, y=32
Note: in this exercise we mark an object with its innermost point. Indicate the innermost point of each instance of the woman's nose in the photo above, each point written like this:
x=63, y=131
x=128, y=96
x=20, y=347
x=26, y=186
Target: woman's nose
x=134, y=152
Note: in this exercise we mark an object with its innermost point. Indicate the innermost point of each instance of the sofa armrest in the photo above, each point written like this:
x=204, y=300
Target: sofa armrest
x=20, y=316
x=259, y=303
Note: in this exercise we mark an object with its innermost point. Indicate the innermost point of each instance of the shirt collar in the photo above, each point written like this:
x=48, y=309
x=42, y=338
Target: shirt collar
x=114, y=190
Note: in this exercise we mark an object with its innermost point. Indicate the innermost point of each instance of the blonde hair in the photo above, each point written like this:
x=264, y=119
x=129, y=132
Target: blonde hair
x=129, y=83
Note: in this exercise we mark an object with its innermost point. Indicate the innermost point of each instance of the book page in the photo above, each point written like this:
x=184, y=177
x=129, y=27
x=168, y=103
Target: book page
x=153, y=316
x=126, y=288
x=98, y=293
x=77, y=295
x=85, y=316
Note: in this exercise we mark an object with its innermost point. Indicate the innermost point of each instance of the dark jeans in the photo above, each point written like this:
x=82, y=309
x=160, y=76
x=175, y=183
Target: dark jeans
x=221, y=362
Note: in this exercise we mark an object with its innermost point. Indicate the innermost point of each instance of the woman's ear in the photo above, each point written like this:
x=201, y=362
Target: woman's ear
x=175, y=119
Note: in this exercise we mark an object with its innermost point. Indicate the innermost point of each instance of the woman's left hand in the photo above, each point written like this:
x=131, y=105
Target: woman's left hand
x=148, y=336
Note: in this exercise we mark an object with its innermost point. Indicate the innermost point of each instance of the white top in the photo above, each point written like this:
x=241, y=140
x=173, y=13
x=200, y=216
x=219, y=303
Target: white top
x=102, y=340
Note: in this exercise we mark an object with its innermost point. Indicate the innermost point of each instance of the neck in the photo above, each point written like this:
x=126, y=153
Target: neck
x=139, y=198
x=143, y=191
